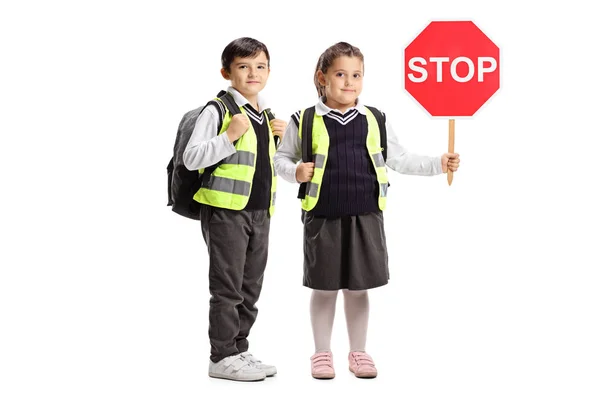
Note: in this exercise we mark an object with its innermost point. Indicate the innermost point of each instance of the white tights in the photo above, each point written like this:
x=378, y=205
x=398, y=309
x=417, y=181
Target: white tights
x=322, y=312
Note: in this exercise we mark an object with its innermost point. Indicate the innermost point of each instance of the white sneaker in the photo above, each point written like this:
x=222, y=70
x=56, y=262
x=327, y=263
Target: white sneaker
x=236, y=368
x=270, y=370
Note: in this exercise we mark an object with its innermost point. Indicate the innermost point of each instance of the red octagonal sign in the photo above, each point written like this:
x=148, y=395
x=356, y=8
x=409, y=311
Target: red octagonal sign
x=452, y=68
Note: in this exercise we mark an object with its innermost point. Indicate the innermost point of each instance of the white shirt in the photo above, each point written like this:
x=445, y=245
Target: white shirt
x=398, y=158
x=206, y=147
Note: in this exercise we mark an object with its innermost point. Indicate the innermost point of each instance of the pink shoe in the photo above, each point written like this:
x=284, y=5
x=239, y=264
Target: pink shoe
x=362, y=365
x=322, y=365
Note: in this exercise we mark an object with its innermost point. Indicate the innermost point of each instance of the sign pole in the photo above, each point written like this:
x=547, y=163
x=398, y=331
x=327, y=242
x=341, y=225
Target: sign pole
x=450, y=174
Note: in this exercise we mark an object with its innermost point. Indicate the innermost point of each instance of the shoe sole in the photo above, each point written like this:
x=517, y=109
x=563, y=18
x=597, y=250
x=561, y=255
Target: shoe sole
x=240, y=379
x=365, y=375
x=324, y=376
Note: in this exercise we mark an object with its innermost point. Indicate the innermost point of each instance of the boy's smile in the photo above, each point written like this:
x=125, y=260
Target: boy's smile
x=248, y=75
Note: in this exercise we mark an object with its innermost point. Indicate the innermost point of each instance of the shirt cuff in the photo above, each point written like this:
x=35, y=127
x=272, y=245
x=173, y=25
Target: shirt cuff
x=437, y=165
x=228, y=145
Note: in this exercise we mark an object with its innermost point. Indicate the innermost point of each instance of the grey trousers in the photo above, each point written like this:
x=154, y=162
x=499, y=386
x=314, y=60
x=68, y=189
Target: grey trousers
x=237, y=243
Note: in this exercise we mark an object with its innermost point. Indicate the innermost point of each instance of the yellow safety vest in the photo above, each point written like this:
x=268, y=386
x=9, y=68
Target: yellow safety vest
x=320, y=151
x=230, y=184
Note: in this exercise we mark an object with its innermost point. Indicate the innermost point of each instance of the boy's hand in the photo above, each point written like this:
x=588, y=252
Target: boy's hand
x=237, y=127
x=305, y=171
x=451, y=161
x=278, y=127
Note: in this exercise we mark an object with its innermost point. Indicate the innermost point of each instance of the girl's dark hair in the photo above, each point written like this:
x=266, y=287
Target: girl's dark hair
x=328, y=57
x=242, y=47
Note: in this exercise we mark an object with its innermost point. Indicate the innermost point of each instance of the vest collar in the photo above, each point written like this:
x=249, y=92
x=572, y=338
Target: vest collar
x=241, y=101
x=321, y=109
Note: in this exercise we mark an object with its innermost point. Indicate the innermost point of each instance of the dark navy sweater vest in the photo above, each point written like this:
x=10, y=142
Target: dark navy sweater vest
x=260, y=195
x=349, y=184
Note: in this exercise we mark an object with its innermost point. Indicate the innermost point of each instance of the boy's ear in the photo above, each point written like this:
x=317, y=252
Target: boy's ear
x=224, y=73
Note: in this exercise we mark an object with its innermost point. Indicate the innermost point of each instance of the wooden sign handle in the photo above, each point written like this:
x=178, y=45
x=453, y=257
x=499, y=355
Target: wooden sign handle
x=450, y=174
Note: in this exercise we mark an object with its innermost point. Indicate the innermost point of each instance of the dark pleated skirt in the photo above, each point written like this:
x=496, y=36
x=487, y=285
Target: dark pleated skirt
x=348, y=252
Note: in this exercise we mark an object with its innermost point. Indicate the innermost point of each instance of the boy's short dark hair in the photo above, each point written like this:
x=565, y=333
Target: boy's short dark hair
x=243, y=47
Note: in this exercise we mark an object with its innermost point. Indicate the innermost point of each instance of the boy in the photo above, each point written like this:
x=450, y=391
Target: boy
x=236, y=205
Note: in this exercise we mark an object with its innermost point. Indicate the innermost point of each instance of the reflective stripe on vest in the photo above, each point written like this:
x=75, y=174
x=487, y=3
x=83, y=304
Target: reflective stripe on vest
x=320, y=151
x=230, y=184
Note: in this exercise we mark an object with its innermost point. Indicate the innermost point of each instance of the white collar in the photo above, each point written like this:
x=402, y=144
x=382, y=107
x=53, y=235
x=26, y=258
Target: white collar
x=321, y=109
x=241, y=101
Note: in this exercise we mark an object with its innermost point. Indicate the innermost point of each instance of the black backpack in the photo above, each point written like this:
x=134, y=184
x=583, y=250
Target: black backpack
x=183, y=183
x=307, y=125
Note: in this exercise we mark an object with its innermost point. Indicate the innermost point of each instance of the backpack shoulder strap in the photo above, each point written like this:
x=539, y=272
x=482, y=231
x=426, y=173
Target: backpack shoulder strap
x=270, y=117
x=306, y=125
x=230, y=104
x=380, y=117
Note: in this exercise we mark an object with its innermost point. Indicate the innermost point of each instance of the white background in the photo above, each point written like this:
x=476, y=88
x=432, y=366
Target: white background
x=103, y=290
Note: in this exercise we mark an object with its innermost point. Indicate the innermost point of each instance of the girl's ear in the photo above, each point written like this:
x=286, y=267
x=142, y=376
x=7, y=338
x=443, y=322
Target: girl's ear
x=321, y=78
x=224, y=73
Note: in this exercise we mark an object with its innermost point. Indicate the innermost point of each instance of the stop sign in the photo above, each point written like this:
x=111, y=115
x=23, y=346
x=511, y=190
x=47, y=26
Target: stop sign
x=451, y=68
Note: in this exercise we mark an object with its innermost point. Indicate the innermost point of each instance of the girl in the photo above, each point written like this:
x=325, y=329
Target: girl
x=342, y=201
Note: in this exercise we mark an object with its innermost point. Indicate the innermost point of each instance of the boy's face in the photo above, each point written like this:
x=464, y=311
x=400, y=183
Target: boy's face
x=248, y=75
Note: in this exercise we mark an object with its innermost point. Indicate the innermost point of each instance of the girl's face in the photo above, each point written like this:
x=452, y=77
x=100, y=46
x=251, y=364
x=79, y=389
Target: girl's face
x=343, y=82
